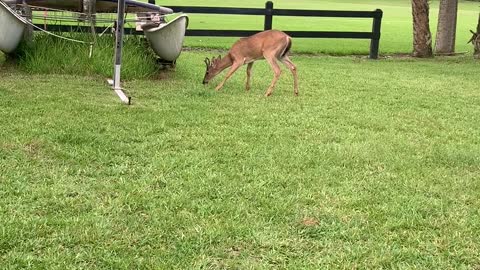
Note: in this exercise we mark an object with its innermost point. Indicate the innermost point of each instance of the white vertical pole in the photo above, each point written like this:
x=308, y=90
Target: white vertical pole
x=118, y=52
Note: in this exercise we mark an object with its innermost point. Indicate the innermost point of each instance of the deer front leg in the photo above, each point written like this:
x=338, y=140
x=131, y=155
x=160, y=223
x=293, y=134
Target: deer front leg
x=249, y=74
x=232, y=70
x=293, y=69
x=276, y=74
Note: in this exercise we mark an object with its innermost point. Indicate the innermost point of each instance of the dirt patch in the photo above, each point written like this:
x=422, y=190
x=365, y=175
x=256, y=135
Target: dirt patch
x=309, y=222
x=33, y=148
x=234, y=251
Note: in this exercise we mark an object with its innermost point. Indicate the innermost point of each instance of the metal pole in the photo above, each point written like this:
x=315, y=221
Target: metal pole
x=118, y=52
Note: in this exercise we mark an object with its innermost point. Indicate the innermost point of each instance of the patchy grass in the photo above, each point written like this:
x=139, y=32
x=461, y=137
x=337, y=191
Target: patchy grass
x=374, y=165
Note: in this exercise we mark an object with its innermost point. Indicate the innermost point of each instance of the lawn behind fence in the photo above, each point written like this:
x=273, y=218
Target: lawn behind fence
x=374, y=165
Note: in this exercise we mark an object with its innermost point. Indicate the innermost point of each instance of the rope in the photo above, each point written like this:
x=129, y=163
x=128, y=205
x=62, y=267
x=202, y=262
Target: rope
x=106, y=28
x=55, y=35
x=65, y=38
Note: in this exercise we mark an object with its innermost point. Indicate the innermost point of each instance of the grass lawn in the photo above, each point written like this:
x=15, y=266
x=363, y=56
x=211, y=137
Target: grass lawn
x=374, y=165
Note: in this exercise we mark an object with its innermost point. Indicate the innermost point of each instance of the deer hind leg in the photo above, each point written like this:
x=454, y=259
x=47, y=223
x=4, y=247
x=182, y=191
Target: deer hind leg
x=249, y=74
x=232, y=70
x=289, y=64
x=276, y=74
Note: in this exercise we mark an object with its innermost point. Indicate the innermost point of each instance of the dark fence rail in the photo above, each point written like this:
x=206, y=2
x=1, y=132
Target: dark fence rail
x=268, y=12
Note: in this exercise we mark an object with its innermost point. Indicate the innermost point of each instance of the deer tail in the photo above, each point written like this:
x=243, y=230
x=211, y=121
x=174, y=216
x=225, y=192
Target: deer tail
x=288, y=47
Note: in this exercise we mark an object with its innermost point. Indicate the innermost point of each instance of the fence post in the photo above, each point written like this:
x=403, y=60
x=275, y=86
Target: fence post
x=375, y=41
x=268, y=15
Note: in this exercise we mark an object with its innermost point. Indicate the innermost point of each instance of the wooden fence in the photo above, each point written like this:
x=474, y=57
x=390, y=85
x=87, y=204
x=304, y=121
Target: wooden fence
x=269, y=12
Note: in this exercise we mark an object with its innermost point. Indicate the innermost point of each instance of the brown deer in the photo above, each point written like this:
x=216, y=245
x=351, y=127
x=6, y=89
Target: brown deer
x=272, y=45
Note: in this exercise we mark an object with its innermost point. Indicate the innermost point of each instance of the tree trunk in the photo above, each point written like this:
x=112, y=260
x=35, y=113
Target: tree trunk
x=422, y=37
x=447, y=26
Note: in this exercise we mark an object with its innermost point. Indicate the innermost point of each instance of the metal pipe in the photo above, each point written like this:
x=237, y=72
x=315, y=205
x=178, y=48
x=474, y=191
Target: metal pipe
x=118, y=52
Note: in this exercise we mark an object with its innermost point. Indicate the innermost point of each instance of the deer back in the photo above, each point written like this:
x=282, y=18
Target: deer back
x=257, y=46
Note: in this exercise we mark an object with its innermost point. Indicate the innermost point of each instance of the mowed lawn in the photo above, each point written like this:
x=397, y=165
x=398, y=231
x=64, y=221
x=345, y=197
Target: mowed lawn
x=374, y=165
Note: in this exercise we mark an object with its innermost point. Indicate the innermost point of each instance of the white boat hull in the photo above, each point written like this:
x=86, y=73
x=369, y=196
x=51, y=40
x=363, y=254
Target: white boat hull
x=12, y=27
x=166, y=39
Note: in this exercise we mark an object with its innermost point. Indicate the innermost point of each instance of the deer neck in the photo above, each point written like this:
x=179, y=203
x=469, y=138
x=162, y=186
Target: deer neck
x=224, y=63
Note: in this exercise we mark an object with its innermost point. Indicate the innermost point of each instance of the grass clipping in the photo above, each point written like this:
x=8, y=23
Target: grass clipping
x=48, y=54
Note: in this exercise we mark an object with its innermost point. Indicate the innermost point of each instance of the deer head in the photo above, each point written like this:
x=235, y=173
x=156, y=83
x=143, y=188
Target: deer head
x=213, y=68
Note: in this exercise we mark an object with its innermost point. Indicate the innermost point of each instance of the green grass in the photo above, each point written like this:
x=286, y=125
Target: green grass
x=47, y=54
x=375, y=165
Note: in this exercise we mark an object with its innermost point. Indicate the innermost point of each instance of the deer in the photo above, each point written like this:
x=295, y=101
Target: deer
x=271, y=45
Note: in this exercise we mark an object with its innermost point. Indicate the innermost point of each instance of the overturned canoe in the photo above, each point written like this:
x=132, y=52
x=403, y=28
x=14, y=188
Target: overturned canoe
x=166, y=39
x=12, y=27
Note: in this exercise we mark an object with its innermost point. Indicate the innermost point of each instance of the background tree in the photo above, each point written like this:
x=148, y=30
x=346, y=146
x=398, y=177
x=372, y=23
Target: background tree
x=422, y=37
x=447, y=26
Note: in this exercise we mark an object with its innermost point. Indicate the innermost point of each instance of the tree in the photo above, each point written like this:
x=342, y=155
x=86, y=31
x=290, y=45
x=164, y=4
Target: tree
x=447, y=26
x=422, y=37
x=475, y=40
